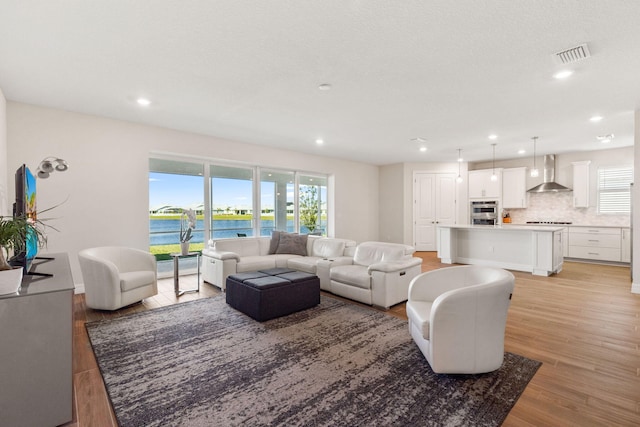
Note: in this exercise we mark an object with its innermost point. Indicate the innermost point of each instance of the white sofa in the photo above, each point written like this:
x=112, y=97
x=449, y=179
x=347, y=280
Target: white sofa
x=379, y=274
x=224, y=257
x=457, y=317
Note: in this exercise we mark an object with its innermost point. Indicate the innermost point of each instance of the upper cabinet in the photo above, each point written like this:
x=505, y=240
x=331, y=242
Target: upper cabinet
x=514, y=188
x=581, y=184
x=482, y=187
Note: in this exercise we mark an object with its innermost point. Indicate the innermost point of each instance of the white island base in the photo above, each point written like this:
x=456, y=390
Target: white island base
x=537, y=250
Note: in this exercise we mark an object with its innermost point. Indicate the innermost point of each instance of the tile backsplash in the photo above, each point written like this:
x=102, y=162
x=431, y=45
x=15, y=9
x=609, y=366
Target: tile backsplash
x=559, y=207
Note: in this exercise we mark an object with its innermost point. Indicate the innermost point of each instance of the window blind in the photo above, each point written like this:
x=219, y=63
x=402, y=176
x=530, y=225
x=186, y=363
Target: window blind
x=614, y=190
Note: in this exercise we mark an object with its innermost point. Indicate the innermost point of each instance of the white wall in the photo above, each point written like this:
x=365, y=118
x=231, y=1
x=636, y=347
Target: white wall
x=4, y=177
x=392, y=203
x=107, y=182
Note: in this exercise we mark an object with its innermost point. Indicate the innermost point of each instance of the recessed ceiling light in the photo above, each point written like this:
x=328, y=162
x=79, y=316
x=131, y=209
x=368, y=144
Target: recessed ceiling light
x=493, y=136
x=605, y=139
x=562, y=74
x=522, y=151
x=319, y=141
x=324, y=86
x=595, y=119
x=423, y=149
x=143, y=101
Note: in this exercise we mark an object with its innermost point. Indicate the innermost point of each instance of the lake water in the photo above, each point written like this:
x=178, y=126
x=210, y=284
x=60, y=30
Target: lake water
x=167, y=231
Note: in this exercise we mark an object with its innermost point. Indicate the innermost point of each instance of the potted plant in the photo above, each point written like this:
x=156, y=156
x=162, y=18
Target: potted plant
x=13, y=238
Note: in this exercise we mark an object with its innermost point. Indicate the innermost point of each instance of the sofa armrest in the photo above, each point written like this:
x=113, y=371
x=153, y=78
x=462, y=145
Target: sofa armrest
x=391, y=266
x=222, y=255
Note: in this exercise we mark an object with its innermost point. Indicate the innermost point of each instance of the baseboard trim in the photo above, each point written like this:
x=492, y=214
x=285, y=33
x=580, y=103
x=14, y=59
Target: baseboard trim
x=635, y=288
x=79, y=288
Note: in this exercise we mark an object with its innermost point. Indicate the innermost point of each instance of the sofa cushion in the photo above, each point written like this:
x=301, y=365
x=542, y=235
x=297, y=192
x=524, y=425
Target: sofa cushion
x=275, y=239
x=135, y=279
x=420, y=314
x=327, y=248
x=242, y=246
x=354, y=275
x=367, y=254
x=292, y=244
x=254, y=263
x=307, y=263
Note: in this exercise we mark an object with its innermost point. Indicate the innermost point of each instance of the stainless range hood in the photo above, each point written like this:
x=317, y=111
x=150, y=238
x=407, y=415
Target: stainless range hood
x=549, y=183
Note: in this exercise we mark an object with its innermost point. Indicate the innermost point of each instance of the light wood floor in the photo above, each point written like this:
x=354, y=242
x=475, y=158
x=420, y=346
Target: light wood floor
x=583, y=324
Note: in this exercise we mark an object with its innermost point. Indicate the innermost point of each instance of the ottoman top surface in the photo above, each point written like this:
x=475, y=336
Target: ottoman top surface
x=267, y=282
x=297, y=276
x=241, y=277
x=276, y=271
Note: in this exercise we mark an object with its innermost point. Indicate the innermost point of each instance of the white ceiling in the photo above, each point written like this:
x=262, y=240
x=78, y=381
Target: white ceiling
x=451, y=72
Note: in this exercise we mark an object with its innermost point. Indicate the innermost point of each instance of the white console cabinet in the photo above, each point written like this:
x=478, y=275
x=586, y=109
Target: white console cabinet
x=36, y=336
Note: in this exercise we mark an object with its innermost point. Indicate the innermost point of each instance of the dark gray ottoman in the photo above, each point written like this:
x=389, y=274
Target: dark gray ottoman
x=272, y=293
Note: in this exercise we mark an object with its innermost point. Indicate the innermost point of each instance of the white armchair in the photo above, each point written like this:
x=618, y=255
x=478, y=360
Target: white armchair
x=457, y=317
x=379, y=274
x=115, y=277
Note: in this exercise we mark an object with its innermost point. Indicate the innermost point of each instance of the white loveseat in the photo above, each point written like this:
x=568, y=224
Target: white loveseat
x=224, y=257
x=379, y=274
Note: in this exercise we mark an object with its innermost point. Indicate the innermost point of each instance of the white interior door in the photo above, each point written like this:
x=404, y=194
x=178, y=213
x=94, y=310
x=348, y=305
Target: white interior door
x=424, y=229
x=434, y=203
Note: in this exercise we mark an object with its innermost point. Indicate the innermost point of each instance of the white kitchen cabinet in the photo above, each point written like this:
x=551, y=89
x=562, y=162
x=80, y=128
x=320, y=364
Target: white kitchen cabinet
x=514, y=188
x=581, y=184
x=625, y=245
x=595, y=243
x=482, y=187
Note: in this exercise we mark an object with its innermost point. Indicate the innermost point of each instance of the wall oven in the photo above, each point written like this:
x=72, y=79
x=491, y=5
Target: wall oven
x=484, y=212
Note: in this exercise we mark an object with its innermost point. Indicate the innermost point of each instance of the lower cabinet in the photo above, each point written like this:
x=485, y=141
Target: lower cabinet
x=595, y=243
x=625, y=245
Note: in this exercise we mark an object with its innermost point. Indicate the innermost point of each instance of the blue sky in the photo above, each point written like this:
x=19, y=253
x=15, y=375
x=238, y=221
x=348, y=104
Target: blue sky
x=188, y=190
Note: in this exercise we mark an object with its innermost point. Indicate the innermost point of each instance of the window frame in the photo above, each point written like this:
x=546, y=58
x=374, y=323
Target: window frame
x=618, y=187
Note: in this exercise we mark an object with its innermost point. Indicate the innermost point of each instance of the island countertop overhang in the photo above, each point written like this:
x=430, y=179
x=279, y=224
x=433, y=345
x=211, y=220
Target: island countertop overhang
x=510, y=227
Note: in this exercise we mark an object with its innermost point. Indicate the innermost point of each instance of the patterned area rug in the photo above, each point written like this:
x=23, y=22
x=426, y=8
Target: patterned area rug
x=203, y=363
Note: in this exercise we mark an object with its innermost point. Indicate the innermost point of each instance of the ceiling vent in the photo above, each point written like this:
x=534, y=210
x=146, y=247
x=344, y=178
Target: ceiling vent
x=575, y=54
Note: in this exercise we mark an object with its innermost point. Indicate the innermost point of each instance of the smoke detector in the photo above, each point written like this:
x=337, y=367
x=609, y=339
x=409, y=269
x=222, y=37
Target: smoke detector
x=571, y=55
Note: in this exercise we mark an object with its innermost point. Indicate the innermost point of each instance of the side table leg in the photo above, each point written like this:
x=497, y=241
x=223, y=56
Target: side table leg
x=176, y=284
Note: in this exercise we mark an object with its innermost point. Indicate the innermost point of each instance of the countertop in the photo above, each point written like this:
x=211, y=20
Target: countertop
x=506, y=227
x=568, y=225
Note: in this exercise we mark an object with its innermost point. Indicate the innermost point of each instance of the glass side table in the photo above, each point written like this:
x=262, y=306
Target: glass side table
x=176, y=270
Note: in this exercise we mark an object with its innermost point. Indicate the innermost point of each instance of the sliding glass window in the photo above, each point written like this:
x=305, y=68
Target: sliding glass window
x=312, y=204
x=174, y=186
x=276, y=201
x=230, y=201
x=232, y=206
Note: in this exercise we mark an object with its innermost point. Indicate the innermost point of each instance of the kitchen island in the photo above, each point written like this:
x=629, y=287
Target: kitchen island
x=533, y=249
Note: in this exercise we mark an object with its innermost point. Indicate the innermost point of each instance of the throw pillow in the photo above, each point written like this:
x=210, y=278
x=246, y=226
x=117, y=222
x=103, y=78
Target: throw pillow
x=290, y=243
x=273, y=245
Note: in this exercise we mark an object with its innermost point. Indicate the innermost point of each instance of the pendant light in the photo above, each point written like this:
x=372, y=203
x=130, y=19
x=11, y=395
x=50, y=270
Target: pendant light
x=459, y=178
x=534, y=171
x=494, y=177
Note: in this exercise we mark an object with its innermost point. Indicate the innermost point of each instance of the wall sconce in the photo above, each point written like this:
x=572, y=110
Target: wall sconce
x=49, y=165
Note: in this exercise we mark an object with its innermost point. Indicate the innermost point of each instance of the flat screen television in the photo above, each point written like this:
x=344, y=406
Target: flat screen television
x=25, y=206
